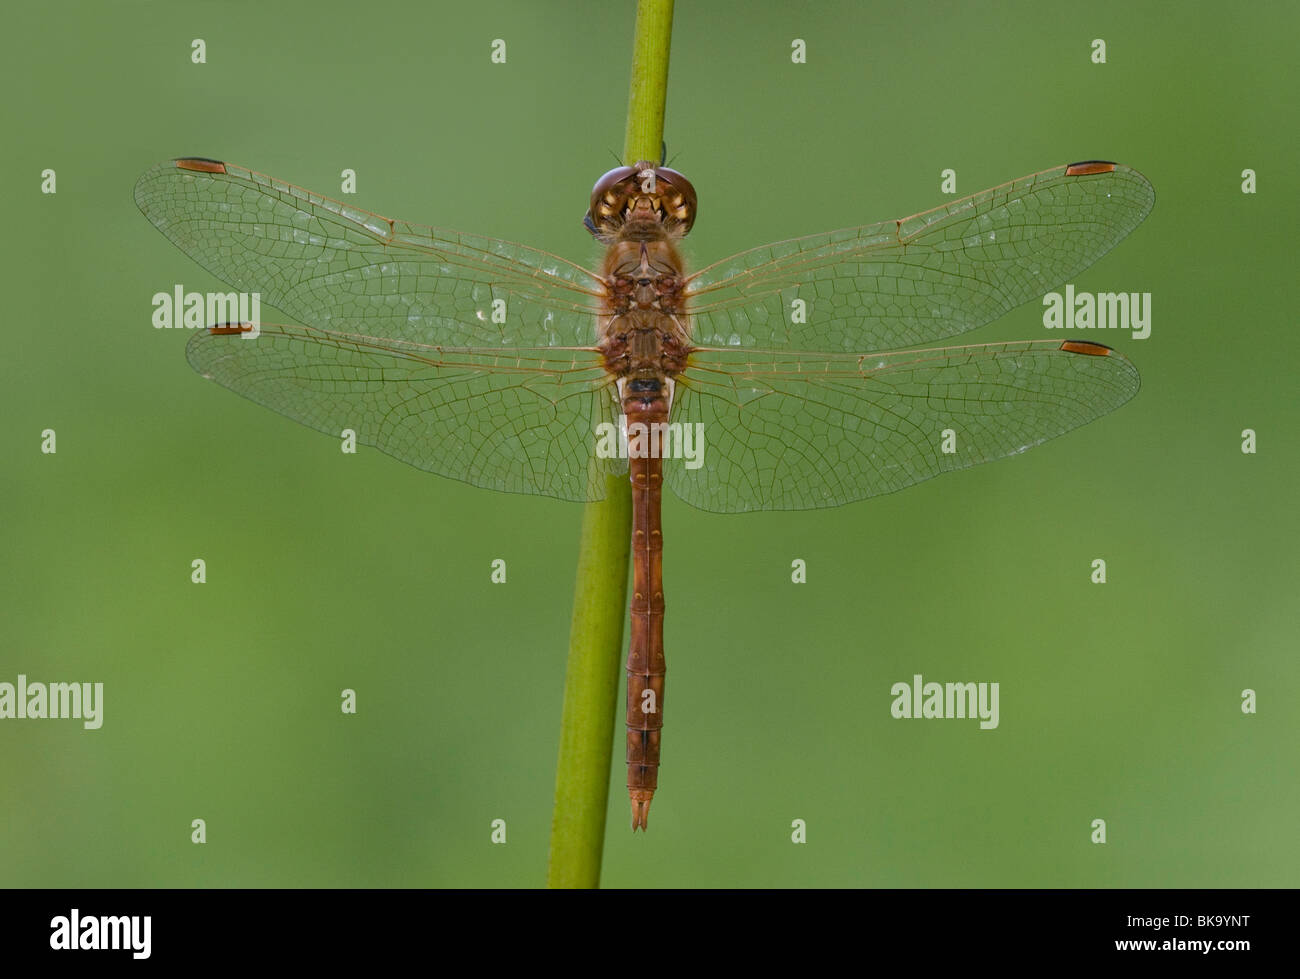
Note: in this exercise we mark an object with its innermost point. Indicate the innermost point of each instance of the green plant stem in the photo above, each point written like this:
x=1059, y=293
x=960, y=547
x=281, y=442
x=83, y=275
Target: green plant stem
x=591, y=690
x=649, y=90
x=600, y=592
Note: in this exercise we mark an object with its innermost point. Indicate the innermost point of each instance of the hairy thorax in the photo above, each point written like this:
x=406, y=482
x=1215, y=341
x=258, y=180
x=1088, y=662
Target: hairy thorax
x=644, y=334
x=639, y=213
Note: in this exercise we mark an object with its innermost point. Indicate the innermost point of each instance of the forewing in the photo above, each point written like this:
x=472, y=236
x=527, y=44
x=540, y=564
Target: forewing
x=336, y=267
x=919, y=279
x=795, y=431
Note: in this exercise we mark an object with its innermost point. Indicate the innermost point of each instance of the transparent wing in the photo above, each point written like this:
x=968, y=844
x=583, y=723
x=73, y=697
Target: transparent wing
x=334, y=266
x=521, y=421
x=916, y=280
x=796, y=431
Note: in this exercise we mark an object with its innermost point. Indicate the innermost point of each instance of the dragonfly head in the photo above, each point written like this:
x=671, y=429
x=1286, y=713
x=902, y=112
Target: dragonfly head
x=643, y=194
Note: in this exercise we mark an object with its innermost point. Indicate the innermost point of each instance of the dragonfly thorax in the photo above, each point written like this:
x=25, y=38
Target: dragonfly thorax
x=644, y=275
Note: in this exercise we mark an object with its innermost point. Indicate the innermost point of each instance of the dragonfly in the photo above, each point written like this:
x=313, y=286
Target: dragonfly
x=790, y=376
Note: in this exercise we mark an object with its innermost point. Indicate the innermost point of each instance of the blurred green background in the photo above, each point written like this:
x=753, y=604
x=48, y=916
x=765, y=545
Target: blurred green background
x=327, y=571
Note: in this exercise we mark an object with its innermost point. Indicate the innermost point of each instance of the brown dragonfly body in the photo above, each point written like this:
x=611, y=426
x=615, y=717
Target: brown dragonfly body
x=645, y=338
x=487, y=361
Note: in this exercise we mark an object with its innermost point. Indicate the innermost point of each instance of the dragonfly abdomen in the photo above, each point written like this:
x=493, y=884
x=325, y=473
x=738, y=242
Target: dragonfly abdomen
x=645, y=652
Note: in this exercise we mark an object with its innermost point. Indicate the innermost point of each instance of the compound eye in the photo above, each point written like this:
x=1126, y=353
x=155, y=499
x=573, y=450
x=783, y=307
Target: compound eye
x=678, y=195
x=607, y=182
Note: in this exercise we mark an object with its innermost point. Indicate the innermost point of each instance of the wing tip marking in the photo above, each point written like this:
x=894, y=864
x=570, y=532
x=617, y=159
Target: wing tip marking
x=200, y=164
x=1086, y=347
x=1086, y=168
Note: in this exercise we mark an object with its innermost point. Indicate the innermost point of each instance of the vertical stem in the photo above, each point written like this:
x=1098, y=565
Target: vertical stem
x=591, y=690
x=649, y=91
x=600, y=593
